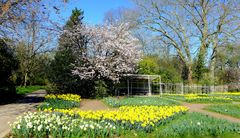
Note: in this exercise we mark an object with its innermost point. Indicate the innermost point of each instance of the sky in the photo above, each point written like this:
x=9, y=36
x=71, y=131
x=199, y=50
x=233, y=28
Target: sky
x=94, y=10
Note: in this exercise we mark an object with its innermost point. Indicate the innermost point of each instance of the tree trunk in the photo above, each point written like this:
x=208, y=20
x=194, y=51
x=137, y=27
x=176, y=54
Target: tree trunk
x=190, y=74
x=213, y=60
x=212, y=71
x=25, y=79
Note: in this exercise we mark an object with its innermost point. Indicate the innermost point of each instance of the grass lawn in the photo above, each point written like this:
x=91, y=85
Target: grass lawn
x=138, y=101
x=228, y=109
x=193, y=125
x=29, y=89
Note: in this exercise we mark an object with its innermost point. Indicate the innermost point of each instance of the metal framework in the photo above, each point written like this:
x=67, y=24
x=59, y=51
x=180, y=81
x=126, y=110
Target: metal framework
x=136, y=78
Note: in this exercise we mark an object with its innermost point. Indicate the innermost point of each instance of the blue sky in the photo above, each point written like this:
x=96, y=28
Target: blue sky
x=94, y=10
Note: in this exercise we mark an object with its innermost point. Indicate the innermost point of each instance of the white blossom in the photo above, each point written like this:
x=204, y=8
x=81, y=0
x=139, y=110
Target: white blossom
x=111, y=51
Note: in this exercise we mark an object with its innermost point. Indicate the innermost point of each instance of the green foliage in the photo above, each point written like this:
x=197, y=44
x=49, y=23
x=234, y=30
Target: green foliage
x=33, y=65
x=139, y=101
x=198, y=125
x=199, y=67
x=166, y=67
x=228, y=109
x=76, y=18
x=60, y=71
x=29, y=89
x=9, y=64
x=148, y=65
x=227, y=64
x=100, y=89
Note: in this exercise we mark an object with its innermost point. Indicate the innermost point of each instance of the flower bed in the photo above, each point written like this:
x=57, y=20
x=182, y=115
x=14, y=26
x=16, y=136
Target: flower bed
x=60, y=101
x=199, y=98
x=235, y=96
x=66, y=97
x=105, y=123
x=206, y=99
x=132, y=117
x=54, y=125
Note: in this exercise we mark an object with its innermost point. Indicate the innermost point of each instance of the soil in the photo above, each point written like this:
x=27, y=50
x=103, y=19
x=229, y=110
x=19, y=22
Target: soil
x=93, y=104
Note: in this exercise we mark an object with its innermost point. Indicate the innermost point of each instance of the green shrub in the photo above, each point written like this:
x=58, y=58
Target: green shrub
x=100, y=89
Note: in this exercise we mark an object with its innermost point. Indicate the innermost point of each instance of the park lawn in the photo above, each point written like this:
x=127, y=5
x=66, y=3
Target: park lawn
x=29, y=89
x=139, y=101
x=192, y=125
x=227, y=109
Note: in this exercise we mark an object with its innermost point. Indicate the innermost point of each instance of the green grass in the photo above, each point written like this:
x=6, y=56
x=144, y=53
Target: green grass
x=192, y=125
x=227, y=109
x=29, y=89
x=138, y=101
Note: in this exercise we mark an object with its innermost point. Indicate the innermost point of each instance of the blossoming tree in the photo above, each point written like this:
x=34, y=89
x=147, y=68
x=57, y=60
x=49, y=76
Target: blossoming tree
x=111, y=51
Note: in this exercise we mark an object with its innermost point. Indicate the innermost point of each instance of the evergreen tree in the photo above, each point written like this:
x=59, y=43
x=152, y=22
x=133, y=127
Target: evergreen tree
x=60, y=74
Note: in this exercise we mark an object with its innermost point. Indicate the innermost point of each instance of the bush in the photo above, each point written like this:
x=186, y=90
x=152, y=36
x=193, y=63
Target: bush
x=100, y=89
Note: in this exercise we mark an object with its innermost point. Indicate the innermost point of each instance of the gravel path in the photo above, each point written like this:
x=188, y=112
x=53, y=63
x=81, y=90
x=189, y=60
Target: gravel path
x=9, y=112
x=200, y=108
x=93, y=104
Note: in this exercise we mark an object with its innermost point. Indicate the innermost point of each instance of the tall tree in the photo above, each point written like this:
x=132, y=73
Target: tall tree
x=228, y=63
x=33, y=42
x=192, y=28
x=61, y=67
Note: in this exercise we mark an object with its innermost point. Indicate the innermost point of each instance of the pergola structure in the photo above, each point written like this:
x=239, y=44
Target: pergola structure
x=147, y=81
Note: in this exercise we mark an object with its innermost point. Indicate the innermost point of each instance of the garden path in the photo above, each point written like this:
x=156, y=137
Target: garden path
x=200, y=108
x=9, y=112
x=93, y=104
